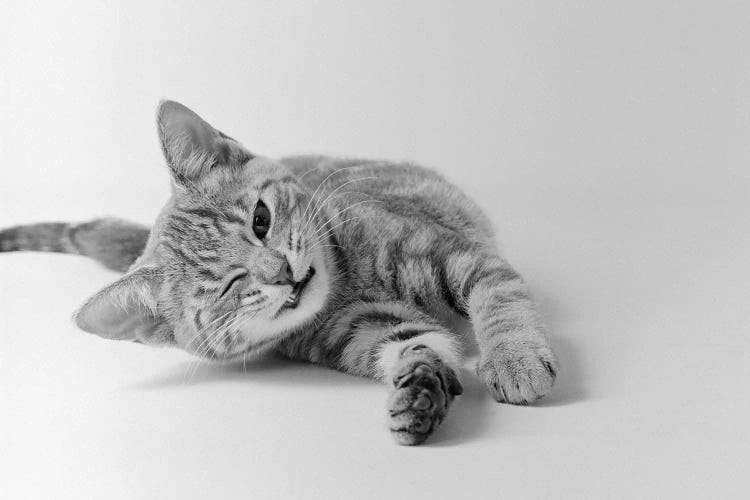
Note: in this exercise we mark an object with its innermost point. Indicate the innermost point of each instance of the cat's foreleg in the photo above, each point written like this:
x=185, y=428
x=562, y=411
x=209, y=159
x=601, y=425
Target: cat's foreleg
x=422, y=383
x=410, y=352
x=516, y=361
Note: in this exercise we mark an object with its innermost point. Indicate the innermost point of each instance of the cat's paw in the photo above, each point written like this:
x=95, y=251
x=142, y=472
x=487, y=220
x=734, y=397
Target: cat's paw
x=423, y=388
x=518, y=371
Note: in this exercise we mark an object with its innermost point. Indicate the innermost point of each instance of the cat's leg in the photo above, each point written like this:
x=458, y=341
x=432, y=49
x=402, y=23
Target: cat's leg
x=410, y=352
x=516, y=361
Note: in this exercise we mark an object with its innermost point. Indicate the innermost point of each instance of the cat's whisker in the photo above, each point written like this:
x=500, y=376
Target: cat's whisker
x=239, y=318
x=369, y=240
x=244, y=362
x=211, y=323
x=321, y=243
x=237, y=323
x=320, y=226
x=210, y=340
x=215, y=337
x=200, y=355
x=320, y=236
x=321, y=205
x=208, y=326
x=304, y=224
x=321, y=185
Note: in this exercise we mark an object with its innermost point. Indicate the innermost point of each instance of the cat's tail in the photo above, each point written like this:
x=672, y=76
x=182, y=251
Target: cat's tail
x=115, y=243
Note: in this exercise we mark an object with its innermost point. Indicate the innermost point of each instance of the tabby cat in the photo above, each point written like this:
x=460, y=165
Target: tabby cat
x=345, y=263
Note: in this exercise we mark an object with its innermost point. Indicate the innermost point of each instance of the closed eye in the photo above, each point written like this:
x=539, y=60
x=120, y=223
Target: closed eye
x=231, y=280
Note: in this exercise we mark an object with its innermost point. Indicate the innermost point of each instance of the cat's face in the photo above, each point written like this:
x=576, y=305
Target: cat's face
x=235, y=260
x=241, y=269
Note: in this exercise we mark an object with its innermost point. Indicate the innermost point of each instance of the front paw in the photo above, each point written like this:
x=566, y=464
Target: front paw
x=423, y=389
x=518, y=371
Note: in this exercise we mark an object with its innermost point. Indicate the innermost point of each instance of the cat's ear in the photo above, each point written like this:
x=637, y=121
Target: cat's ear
x=125, y=310
x=191, y=146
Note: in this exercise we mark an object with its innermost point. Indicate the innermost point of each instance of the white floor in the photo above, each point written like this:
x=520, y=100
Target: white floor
x=610, y=146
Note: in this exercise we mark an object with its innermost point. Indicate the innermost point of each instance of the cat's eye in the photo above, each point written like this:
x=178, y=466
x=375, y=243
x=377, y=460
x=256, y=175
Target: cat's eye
x=232, y=280
x=261, y=220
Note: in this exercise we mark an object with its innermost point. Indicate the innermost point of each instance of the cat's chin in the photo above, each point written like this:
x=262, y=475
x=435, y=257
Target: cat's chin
x=293, y=300
x=310, y=300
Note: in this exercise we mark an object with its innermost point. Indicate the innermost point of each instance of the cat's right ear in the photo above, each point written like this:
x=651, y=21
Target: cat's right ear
x=126, y=309
x=192, y=147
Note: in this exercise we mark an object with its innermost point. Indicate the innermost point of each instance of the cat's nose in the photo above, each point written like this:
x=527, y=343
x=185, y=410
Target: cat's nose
x=284, y=276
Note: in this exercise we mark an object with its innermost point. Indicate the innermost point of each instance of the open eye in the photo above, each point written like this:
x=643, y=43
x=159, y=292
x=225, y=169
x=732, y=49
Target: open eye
x=261, y=220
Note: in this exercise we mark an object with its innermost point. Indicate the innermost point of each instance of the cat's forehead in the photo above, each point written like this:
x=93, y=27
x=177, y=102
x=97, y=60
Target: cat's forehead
x=279, y=195
x=213, y=218
x=260, y=177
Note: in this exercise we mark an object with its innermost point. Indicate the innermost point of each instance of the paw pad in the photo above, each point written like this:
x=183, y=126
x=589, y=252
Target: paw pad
x=423, y=389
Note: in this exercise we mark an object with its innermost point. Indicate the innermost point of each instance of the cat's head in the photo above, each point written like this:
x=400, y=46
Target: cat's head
x=233, y=262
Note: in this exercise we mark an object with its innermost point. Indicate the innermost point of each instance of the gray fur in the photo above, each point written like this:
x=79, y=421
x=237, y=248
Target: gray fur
x=394, y=246
x=113, y=242
x=423, y=388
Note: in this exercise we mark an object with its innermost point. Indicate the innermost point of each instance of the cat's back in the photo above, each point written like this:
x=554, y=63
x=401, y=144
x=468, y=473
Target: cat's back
x=393, y=227
x=404, y=190
x=384, y=201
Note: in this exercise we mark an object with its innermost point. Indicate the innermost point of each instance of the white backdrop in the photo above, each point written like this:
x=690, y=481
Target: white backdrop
x=609, y=141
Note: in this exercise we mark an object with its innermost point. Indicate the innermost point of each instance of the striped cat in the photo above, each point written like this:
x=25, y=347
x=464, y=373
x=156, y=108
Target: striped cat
x=345, y=263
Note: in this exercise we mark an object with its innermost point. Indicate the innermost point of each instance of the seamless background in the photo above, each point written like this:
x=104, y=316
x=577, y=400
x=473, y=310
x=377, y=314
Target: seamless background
x=608, y=141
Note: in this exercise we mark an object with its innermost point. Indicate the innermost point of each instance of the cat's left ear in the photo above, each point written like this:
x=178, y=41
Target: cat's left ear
x=192, y=147
x=126, y=309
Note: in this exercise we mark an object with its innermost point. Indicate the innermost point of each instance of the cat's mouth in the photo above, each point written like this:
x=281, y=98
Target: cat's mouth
x=292, y=300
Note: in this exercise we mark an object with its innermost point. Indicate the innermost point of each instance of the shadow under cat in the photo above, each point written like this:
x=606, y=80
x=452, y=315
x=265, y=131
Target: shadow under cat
x=467, y=420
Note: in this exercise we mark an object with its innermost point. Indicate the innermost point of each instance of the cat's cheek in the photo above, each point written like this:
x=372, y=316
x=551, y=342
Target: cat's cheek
x=319, y=286
x=276, y=298
x=187, y=336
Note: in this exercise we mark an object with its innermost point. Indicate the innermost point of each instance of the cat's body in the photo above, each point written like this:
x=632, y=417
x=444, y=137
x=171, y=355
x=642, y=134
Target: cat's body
x=349, y=264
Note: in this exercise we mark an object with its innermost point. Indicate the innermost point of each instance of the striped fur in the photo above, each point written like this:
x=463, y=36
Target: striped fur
x=113, y=242
x=393, y=247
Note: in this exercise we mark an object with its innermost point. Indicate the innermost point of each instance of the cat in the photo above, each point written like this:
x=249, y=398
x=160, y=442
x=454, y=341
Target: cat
x=346, y=263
